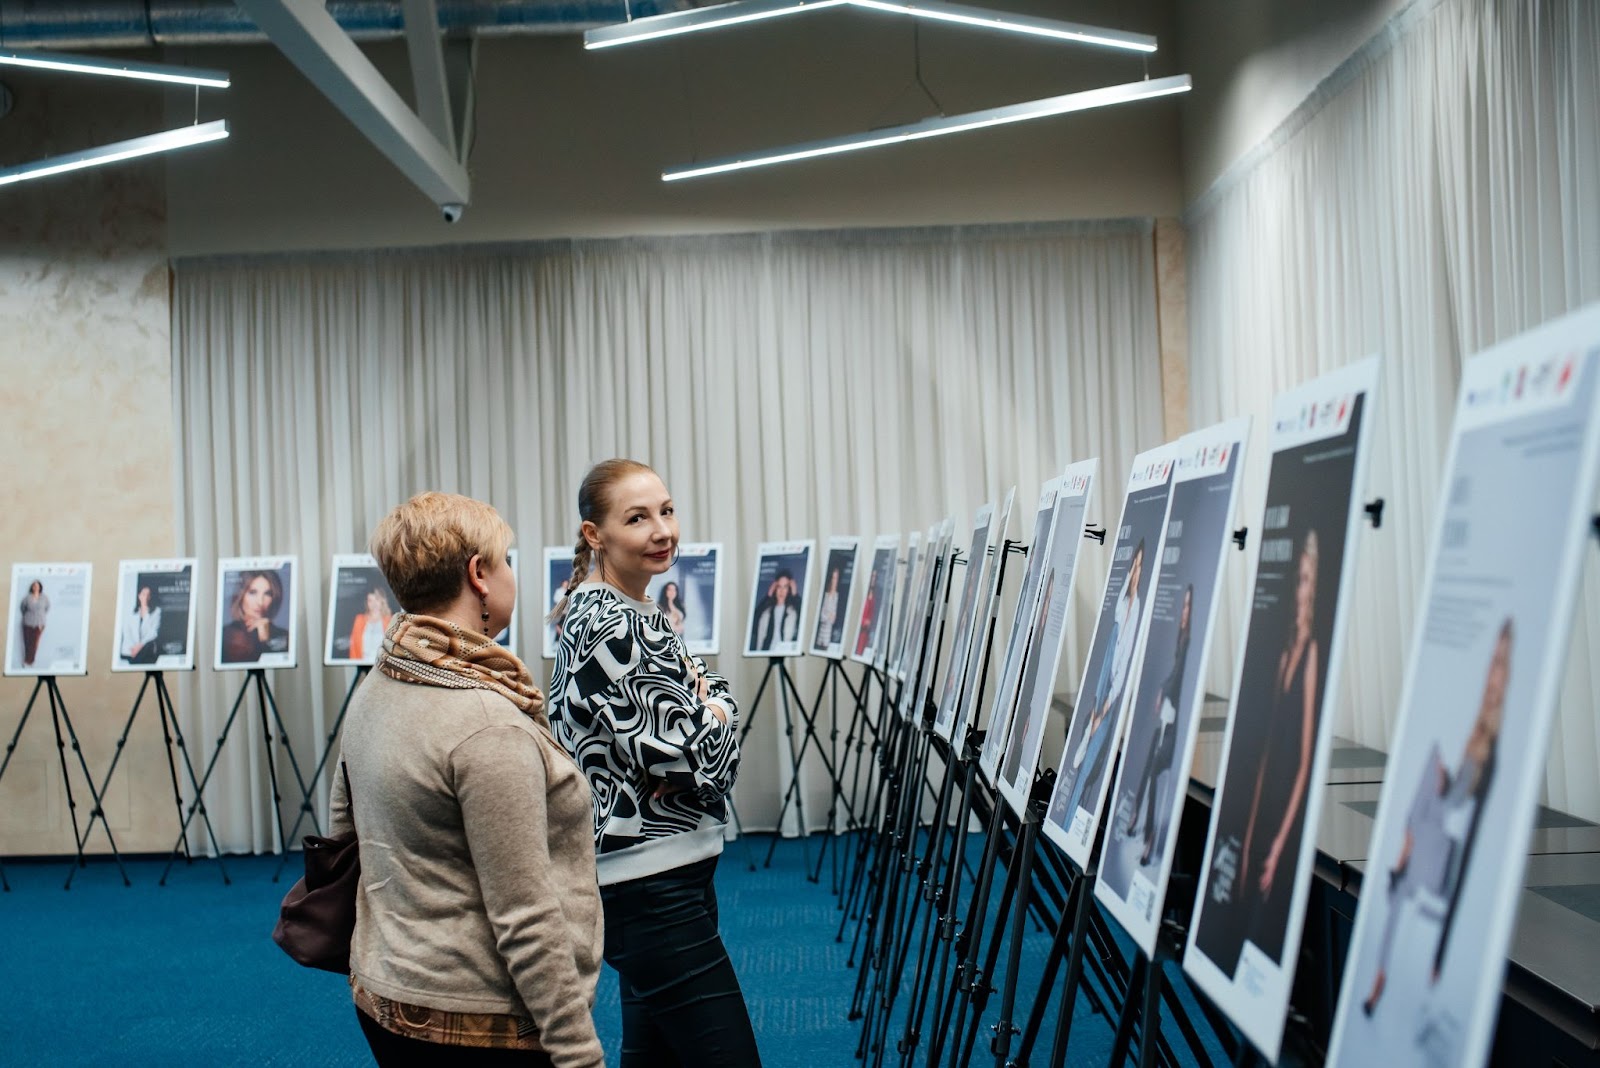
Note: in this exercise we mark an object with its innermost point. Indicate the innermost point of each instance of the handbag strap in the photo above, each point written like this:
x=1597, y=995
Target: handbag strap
x=349, y=798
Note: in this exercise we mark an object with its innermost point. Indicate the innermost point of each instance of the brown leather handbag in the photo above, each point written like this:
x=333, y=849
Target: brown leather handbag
x=318, y=914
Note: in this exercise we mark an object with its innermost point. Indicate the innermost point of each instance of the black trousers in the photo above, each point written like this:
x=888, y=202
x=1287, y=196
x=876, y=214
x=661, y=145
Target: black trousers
x=402, y=1051
x=681, y=1002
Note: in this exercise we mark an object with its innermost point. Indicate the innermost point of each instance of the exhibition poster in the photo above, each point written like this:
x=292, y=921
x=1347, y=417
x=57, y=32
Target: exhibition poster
x=1255, y=878
x=1136, y=861
x=556, y=575
x=1110, y=670
x=1427, y=958
x=870, y=643
x=1049, y=625
x=155, y=616
x=690, y=594
x=901, y=625
x=833, y=609
x=1003, y=705
x=978, y=634
x=360, y=605
x=778, y=598
x=49, y=632
x=508, y=637
x=914, y=698
x=966, y=610
x=256, y=618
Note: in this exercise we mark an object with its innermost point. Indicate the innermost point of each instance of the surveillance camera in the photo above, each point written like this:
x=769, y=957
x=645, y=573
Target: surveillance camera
x=452, y=212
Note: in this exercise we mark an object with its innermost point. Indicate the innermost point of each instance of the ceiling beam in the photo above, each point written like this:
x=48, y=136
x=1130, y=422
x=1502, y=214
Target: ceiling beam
x=316, y=44
x=426, y=49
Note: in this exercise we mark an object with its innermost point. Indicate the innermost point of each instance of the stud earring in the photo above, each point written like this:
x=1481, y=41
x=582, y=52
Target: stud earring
x=485, y=601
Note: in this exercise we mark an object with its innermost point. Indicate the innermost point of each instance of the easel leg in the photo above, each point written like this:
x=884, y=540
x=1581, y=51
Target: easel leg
x=59, y=709
x=175, y=737
x=116, y=757
x=200, y=788
x=1130, y=1010
x=272, y=766
x=307, y=803
x=288, y=751
x=785, y=685
x=61, y=755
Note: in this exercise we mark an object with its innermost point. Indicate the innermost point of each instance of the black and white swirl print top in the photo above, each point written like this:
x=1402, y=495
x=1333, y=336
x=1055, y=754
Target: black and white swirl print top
x=622, y=704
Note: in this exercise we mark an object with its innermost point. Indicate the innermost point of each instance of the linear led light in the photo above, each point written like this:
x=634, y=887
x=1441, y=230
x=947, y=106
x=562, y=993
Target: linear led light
x=150, y=144
x=949, y=124
x=149, y=72
x=700, y=18
x=732, y=14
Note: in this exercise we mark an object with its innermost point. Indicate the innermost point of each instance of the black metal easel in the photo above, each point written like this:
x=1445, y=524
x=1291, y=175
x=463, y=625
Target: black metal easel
x=787, y=689
x=58, y=716
x=255, y=680
x=307, y=803
x=155, y=681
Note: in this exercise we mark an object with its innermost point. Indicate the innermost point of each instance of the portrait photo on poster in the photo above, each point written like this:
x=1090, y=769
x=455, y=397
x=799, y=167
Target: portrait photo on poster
x=1004, y=702
x=779, y=598
x=983, y=618
x=914, y=697
x=49, y=625
x=557, y=574
x=1036, y=686
x=1434, y=922
x=360, y=606
x=833, y=604
x=966, y=603
x=256, y=612
x=922, y=619
x=155, y=616
x=1109, y=670
x=1152, y=782
x=870, y=642
x=689, y=593
x=1256, y=872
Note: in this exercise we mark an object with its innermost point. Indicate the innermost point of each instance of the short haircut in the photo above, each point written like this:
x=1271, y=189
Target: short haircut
x=423, y=547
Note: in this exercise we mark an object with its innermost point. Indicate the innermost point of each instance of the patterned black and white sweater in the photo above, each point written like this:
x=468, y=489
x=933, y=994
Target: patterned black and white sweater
x=622, y=703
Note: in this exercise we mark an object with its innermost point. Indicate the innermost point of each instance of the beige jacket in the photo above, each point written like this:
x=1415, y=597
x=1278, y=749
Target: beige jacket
x=477, y=861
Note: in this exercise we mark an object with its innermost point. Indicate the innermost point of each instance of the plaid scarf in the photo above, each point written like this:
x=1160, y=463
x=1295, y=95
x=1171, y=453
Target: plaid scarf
x=436, y=652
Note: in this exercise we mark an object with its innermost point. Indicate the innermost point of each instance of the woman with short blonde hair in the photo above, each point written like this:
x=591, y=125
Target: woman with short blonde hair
x=478, y=919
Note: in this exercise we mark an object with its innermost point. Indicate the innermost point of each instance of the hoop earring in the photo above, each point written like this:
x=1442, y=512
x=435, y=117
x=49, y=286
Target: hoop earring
x=485, y=601
x=677, y=554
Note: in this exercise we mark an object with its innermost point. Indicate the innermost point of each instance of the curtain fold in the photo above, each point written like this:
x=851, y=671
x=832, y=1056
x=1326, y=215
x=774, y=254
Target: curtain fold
x=1439, y=193
x=786, y=386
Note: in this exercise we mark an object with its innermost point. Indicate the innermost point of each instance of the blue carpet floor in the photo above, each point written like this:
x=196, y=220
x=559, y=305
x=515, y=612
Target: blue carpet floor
x=187, y=973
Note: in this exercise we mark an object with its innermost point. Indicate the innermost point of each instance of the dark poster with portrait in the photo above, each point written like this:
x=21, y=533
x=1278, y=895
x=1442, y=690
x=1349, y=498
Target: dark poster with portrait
x=360, y=606
x=155, y=616
x=1424, y=973
x=779, y=598
x=1153, y=779
x=1256, y=874
x=871, y=643
x=833, y=604
x=689, y=593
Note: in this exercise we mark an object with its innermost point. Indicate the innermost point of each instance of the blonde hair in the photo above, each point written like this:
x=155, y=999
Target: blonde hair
x=424, y=545
x=594, y=501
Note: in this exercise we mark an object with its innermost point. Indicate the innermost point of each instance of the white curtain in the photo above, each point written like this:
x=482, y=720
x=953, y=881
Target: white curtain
x=1439, y=193
x=786, y=386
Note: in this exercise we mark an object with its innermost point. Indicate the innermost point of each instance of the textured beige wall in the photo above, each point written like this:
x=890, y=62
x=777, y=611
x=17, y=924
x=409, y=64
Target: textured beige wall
x=1172, y=305
x=87, y=411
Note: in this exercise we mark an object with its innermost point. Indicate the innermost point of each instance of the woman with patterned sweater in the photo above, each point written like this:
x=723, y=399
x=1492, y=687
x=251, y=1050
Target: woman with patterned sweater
x=655, y=734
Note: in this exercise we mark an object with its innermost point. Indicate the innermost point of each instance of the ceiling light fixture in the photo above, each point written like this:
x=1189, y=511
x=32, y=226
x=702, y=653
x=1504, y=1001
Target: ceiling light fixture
x=166, y=141
x=741, y=11
x=149, y=72
x=938, y=127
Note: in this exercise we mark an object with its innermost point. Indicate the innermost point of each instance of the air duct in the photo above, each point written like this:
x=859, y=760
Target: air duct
x=68, y=25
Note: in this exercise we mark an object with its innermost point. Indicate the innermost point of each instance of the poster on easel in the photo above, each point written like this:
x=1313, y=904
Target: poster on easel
x=556, y=574
x=908, y=612
x=1094, y=730
x=1049, y=631
x=915, y=696
x=1163, y=717
x=966, y=611
x=833, y=609
x=49, y=631
x=1250, y=908
x=690, y=595
x=988, y=608
x=360, y=606
x=1004, y=703
x=1424, y=973
x=871, y=645
x=256, y=617
x=778, y=599
x=155, y=616
x=508, y=637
